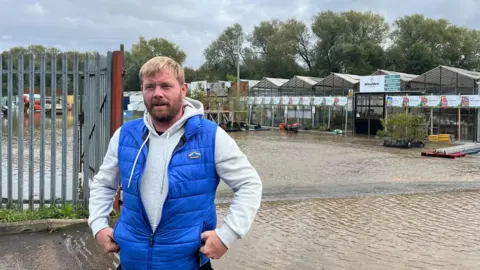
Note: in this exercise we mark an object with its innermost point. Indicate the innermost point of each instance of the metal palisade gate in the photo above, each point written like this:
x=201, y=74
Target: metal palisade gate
x=56, y=124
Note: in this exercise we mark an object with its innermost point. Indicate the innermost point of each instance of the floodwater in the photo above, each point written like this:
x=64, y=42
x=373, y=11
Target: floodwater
x=335, y=202
x=421, y=231
x=306, y=165
x=349, y=203
x=58, y=145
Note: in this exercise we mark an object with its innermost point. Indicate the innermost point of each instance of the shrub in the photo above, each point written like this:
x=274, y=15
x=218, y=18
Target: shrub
x=405, y=126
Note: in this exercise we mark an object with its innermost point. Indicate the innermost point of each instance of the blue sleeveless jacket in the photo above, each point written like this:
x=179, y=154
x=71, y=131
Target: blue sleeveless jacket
x=188, y=210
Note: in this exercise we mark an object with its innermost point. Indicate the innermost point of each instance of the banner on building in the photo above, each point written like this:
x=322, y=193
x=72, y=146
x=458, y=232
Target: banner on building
x=329, y=101
x=450, y=101
x=412, y=101
x=470, y=101
x=394, y=101
x=305, y=101
x=267, y=100
x=294, y=101
x=275, y=100
x=445, y=101
x=341, y=101
x=429, y=101
x=299, y=101
x=318, y=101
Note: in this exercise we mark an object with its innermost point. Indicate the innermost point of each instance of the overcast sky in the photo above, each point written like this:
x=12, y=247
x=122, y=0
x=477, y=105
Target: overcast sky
x=103, y=25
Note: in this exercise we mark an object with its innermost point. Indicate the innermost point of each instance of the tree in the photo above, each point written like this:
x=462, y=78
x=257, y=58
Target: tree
x=190, y=74
x=418, y=40
x=359, y=59
x=300, y=35
x=275, y=44
x=37, y=51
x=221, y=54
x=142, y=51
x=422, y=43
x=358, y=34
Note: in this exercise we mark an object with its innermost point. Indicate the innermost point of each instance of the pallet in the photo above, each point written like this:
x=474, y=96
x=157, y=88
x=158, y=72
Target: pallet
x=442, y=155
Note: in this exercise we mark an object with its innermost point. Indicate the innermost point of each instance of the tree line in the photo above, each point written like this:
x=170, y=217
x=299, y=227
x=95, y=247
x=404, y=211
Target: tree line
x=346, y=42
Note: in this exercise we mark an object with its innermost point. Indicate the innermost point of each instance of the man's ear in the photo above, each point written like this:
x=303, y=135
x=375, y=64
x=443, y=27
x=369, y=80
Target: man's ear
x=184, y=89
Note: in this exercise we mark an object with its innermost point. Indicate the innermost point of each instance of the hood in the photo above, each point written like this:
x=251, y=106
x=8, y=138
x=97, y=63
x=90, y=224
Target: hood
x=191, y=107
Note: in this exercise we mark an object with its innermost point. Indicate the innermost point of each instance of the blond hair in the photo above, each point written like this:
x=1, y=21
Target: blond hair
x=160, y=63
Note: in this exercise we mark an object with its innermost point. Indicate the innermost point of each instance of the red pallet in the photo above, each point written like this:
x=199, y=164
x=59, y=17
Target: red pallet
x=442, y=155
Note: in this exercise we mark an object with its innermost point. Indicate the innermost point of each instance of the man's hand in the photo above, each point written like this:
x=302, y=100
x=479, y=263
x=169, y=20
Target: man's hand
x=212, y=247
x=105, y=239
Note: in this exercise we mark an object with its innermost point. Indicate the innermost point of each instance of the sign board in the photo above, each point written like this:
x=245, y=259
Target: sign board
x=380, y=83
x=392, y=83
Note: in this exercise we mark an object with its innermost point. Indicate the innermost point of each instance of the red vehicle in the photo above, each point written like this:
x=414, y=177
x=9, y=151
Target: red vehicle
x=36, y=104
x=291, y=127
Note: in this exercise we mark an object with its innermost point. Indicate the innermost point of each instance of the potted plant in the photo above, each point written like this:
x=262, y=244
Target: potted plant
x=404, y=130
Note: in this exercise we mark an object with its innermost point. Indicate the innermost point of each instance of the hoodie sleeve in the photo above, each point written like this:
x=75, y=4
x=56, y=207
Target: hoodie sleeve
x=104, y=188
x=236, y=171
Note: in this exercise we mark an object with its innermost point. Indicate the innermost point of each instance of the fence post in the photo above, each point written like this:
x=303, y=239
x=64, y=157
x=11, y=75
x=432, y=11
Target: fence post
x=1, y=130
x=117, y=101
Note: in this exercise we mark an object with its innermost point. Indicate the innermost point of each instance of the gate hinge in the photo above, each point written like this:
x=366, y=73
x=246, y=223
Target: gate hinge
x=81, y=118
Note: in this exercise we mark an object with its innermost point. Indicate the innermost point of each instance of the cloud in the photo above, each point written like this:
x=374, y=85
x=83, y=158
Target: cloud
x=34, y=8
x=103, y=25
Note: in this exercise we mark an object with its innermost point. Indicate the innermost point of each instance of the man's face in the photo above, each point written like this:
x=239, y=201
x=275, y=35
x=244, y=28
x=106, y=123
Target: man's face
x=163, y=95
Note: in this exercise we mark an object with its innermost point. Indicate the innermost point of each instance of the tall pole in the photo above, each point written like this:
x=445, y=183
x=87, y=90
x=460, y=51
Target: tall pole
x=238, y=63
x=238, y=71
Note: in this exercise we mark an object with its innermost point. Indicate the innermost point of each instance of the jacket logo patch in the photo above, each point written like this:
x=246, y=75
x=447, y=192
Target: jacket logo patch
x=194, y=155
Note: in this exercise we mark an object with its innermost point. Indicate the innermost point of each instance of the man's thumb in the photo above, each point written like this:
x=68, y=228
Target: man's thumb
x=205, y=235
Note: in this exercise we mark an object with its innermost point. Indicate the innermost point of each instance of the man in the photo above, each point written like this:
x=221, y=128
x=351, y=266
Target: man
x=169, y=164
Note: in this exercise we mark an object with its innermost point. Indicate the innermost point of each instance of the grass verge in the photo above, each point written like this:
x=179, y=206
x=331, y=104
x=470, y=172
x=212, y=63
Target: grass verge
x=67, y=211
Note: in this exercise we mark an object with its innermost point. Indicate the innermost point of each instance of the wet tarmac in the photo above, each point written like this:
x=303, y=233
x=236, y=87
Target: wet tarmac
x=73, y=248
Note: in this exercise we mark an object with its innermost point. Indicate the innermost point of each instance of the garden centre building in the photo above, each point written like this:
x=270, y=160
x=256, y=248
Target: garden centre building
x=447, y=96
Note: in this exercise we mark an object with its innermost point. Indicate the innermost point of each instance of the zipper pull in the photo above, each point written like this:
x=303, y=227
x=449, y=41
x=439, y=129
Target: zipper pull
x=151, y=240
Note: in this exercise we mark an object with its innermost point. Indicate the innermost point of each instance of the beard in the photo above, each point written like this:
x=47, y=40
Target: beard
x=164, y=111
